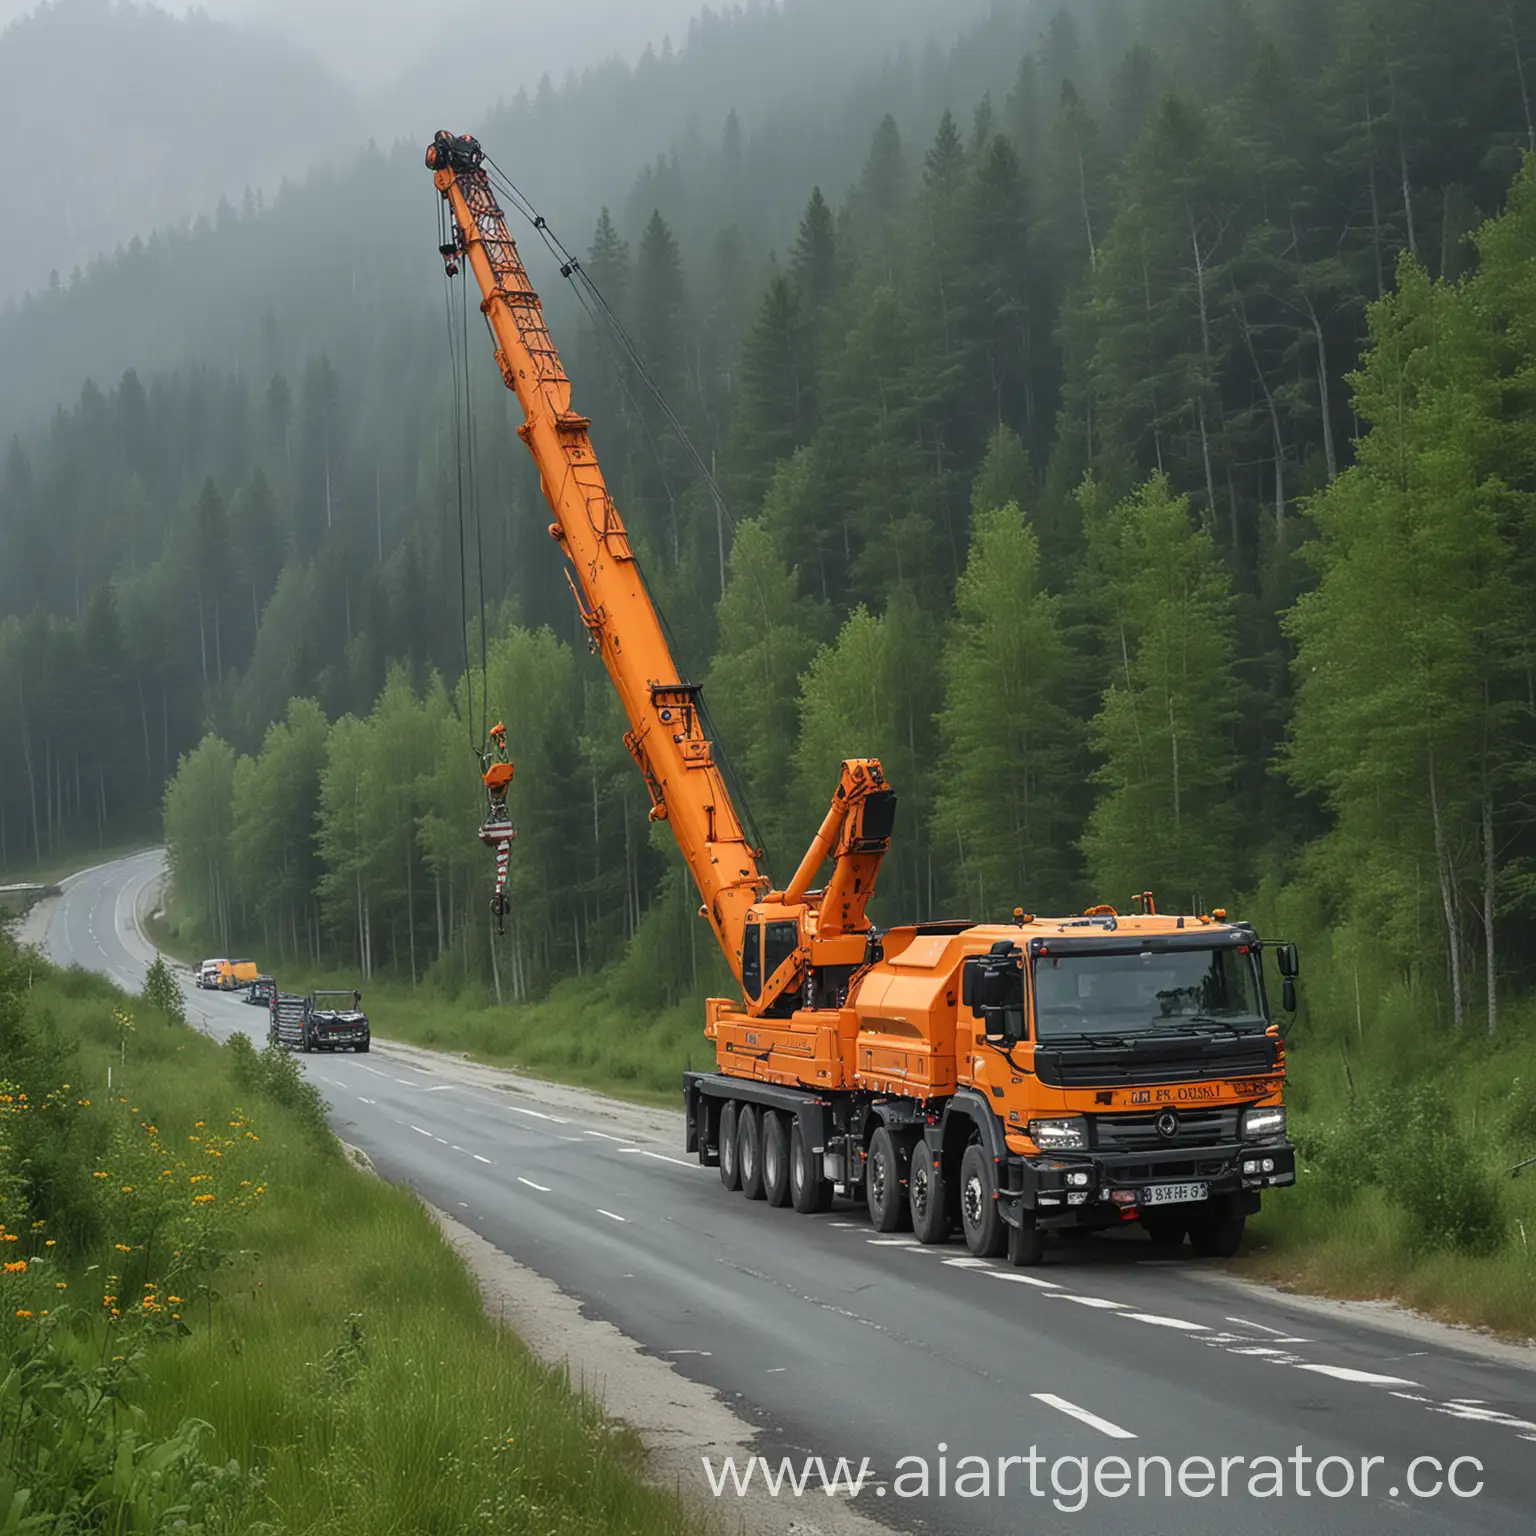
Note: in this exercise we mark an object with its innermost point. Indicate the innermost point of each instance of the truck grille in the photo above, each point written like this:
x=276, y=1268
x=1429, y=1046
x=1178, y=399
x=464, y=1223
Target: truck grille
x=1138, y=1132
x=1183, y=1061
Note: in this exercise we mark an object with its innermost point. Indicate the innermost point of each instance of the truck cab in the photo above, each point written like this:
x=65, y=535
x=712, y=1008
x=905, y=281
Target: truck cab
x=208, y=973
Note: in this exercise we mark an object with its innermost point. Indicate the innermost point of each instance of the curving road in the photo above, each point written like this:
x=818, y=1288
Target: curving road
x=839, y=1343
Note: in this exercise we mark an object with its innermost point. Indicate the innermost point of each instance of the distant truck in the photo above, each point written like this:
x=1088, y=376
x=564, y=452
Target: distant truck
x=324, y=1021
x=262, y=991
x=208, y=973
x=227, y=975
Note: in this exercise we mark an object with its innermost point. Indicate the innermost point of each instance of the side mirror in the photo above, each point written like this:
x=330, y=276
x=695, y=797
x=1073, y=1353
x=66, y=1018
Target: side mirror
x=1288, y=993
x=1004, y=1024
x=1288, y=961
x=357, y=999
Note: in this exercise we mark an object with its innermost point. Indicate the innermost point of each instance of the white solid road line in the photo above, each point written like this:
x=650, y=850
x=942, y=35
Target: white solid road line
x=543, y=1189
x=1365, y=1378
x=1082, y=1415
x=611, y=1215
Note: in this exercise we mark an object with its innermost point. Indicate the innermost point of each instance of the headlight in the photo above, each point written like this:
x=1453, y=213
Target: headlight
x=1060, y=1135
x=1263, y=1124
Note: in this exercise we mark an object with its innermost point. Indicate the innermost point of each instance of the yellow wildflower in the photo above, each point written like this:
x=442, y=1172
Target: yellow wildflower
x=18, y=1268
x=22, y=1312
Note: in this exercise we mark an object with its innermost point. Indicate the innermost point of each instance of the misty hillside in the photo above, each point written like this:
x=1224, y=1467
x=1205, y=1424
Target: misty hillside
x=312, y=268
x=120, y=119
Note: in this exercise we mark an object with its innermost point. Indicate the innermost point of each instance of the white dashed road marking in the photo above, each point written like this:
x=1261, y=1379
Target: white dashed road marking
x=1082, y=1415
x=480, y=1159
x=1365, y=1378
x=661, y=1157
x=1089, y=1301
x=543, y=1189
x=1168, y=1322
x=611, y=1215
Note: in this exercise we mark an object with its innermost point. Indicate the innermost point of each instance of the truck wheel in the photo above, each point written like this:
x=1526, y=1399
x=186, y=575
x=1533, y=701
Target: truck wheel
x=810, y=1193
x=927, y=1197
x=730, y=1169
x=749, y=1150
x=775, y=1159
x=1026, y=1243
x=363, y=1048
x=985, y=1232
x=305, y=1043
x=882, y=1183
x=1216, y=1233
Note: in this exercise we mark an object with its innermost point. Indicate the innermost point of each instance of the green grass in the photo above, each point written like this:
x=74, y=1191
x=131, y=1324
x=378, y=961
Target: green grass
x=329, y=1338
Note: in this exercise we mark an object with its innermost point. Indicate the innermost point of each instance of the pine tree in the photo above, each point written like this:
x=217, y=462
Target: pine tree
x=1165, y=817
x=1003, y=809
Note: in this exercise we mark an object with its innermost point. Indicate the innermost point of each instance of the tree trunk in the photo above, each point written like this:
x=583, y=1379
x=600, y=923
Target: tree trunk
x=495, y=968
x=1525, y=95
x=1447, y=898
x=410, y=910
x=1490, y=906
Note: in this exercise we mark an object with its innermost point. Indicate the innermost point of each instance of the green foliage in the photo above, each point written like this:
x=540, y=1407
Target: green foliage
x=275, y=1074
x=1011, y=750
x=163, y=992
x=1165, y=819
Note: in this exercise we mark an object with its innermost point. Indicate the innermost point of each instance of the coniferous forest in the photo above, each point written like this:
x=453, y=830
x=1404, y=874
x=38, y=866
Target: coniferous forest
x=1125, y=419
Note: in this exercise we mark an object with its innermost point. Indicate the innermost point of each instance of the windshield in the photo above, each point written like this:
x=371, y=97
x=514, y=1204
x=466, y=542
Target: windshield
x=1151, y=992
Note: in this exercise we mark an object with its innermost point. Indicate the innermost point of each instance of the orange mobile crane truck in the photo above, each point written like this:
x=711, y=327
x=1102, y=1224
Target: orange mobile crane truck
x=1009, y=1079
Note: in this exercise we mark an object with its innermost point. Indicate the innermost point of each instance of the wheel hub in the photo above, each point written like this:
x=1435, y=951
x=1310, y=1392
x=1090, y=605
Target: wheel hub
x=973, y=1200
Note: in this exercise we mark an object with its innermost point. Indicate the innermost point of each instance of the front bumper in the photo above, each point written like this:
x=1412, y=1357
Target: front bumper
x=1053, y=1190
x=329, y=1037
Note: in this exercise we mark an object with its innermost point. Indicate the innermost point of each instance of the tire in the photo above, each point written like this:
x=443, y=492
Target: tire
x=749, y=1150
x=809, y=1192
x=985, y=1232
x=1216, y=1234
x=730, y=1167
x=927, y=1198
x=1026, y=1243
x=362, y=1049
x=1165, y=1229
x=775, y=1159
x=305, y=1043
x=884, y=1189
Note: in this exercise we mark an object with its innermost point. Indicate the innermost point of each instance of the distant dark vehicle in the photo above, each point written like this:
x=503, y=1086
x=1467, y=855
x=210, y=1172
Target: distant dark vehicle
x=325, y=1021
x=261, y=991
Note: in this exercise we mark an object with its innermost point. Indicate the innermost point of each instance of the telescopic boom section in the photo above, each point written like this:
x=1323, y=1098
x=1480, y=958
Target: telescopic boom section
x=665, y=736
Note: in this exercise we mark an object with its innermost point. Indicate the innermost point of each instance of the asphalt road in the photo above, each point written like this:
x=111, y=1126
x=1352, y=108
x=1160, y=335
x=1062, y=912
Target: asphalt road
x=838, y=1343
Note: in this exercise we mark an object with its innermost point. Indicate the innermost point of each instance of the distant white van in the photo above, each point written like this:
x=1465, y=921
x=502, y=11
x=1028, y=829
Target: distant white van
x=208, y=972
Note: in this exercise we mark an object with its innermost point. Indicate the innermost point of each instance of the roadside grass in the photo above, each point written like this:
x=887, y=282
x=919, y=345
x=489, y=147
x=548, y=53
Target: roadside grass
x=1409, y=1136
x=312, y=1318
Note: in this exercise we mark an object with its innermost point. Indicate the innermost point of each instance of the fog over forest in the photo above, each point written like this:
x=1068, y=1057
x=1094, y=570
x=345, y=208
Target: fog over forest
x=171, y=109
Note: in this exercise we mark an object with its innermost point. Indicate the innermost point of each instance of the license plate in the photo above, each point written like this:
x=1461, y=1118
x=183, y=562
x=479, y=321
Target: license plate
x=1174, y=1194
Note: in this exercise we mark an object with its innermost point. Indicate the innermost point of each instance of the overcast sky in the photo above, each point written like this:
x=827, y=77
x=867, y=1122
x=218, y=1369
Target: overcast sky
x=369, y=42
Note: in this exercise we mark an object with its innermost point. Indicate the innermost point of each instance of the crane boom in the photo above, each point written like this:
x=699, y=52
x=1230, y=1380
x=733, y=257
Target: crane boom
x=666, y=732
